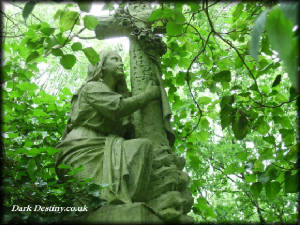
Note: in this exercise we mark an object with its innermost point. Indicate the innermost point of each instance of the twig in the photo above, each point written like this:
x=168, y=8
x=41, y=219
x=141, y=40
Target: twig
x=23, y=9
x=272, y=106
x=236, y=50
x=189, y=86
x=70, y=32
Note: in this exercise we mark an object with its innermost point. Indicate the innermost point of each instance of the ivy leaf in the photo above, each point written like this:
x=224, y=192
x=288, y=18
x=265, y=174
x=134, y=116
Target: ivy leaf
x=173, y=29
x=76, y=46
x=67, y=20
x=240, y=125
x=68, y=61
x=256, y=189
x=91, y=54
x=272, y=189
x=259, y=27
x=276, y=81
x=223, y=76
x=28, y=8
x=90, y=22
x=32, y=56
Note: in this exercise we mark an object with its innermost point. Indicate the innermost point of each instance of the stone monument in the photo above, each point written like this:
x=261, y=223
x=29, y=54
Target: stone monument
x=125, y=139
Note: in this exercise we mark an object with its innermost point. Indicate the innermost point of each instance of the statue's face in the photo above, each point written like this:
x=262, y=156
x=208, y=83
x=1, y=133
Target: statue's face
x=113, y=64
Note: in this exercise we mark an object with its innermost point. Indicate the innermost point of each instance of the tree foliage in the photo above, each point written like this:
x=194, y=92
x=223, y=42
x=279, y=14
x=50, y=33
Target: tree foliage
x=231, y=73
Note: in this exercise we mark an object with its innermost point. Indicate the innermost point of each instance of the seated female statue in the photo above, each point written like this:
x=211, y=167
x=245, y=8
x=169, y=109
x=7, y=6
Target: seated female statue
x=97, y=133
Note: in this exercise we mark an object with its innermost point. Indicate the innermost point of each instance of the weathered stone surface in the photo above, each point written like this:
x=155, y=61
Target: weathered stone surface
x=142, y=173
x=125, y=213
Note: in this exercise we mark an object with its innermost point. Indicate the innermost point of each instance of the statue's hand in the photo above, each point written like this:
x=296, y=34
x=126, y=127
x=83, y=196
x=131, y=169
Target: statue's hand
x=152, y=91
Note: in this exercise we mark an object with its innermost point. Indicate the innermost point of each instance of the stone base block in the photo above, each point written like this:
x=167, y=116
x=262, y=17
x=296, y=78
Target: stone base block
x=135, y=213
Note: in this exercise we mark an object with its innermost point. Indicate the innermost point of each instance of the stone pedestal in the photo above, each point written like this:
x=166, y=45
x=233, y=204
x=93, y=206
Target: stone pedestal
x=135, y=213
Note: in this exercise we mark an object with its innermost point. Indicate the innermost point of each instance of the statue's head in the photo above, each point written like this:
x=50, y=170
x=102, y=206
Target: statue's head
x=110, y=63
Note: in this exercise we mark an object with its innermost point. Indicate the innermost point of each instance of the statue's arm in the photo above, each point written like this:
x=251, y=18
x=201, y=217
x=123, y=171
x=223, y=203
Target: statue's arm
x=113, y=105
x=131, y=104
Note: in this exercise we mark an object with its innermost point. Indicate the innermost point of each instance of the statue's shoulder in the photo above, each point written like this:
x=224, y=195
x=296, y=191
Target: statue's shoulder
x=96, y=86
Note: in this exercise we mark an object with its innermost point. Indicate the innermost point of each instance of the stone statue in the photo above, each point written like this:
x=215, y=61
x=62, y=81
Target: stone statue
x=98, y=125
x=125, y=139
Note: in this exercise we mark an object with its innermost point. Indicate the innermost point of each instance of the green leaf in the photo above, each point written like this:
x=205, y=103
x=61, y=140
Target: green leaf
x=52, y=151
x=272, y=189
x=91, y=54
x=204, y=123
x=256, y=189
x=291, y=182
x=226, y=100
x=67, y=20
x=242, y=155
x=203, y=135
x=179, y=18
x=84, y=6
x=76, y=46
x=204, y=100
x=39, y=113
x=258, y=29
x=90, y=22
x=27, y=86
x=46, y=29
x=29, y=6
x=64, y=166
x=68, y=61
x=31, y=168
x=226, y=116
x=288, y=136
x=224, y=75
x=250, y=177
x=173, y=29
x=266, y=153
x=194, y=6
x=160, y=14
x=276, y=81
x=32, y=56
x=262, y=126
x=258, y=166
x=155, y=15
x=240, y=125
x=238, y=10
x=57, y=52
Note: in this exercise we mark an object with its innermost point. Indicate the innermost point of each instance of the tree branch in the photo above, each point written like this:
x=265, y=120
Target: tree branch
x=189, y=86
x=232, y=46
